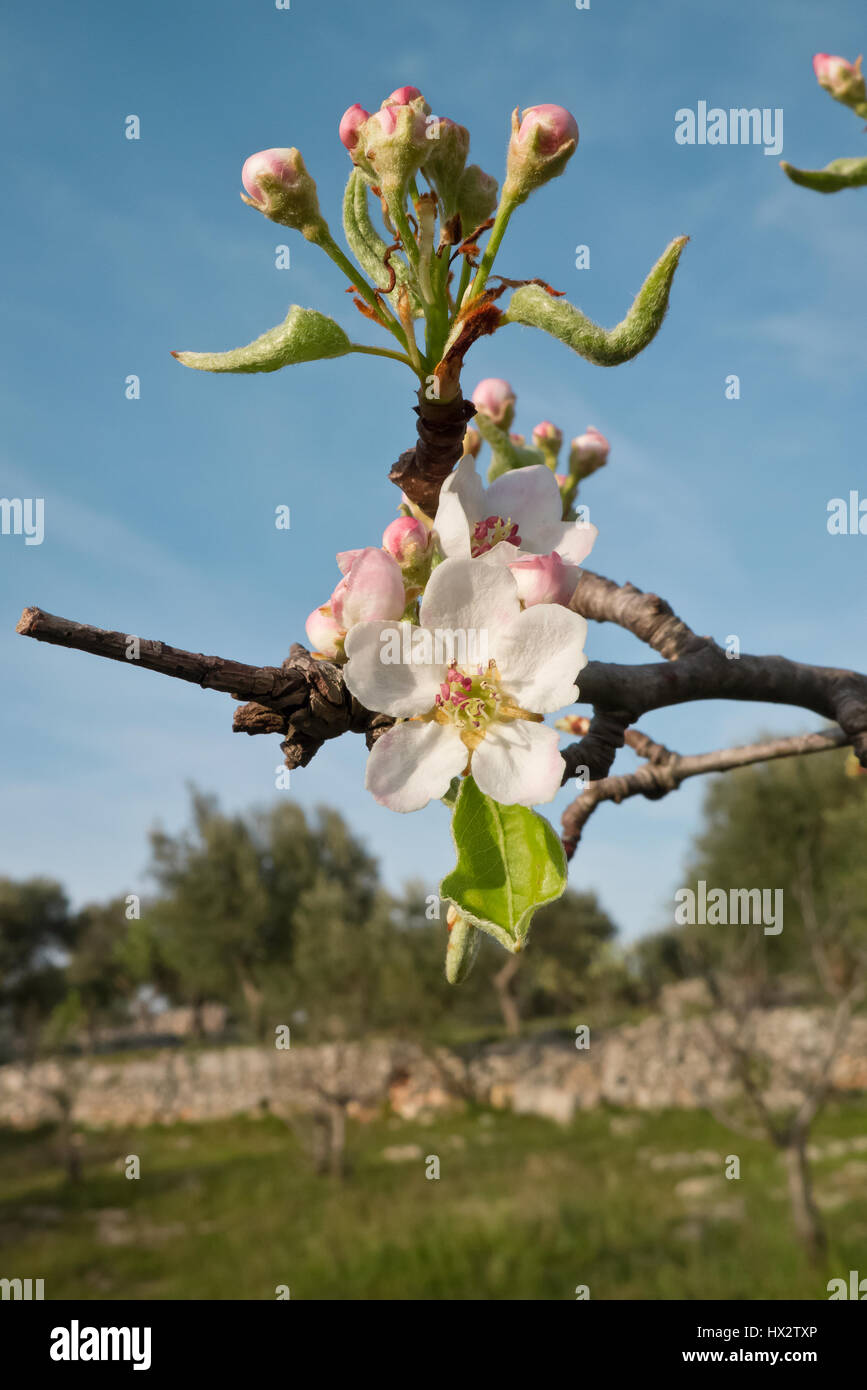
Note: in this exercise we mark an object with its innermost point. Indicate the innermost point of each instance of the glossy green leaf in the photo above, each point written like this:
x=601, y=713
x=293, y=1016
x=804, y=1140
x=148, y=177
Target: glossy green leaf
x=510, y=862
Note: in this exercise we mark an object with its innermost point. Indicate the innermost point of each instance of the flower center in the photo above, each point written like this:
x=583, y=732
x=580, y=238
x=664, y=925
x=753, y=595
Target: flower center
x=471, y=700
x=488, y=533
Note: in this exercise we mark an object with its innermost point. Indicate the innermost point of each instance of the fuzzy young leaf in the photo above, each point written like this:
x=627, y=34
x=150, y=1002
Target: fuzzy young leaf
x=368, y=247
x=303, y=336
x=839, y=174
x=533, y=306
x=510, y=862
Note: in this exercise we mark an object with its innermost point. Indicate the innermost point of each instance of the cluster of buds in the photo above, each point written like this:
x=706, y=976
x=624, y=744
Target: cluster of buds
x=495, y=402
x=843, y=80
x=402, y=138
x=376, y=584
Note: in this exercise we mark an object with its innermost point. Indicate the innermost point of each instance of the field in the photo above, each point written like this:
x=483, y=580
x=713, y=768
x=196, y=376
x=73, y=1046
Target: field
x=634, y=1206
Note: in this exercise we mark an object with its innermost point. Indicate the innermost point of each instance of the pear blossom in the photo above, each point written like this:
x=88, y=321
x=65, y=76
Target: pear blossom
x=844, y=80
x=546, y=433
x=407, y=540
x=544, y=138
x=549, y=127
x=495, y=397
x=520, y=514
x=459, y=715
x=371, y=587
x=325, y=634
x=278, y=185
x=545, y=579
x=588, y=452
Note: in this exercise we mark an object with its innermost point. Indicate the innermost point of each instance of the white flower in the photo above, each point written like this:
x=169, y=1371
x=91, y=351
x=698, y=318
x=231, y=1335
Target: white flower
x=485, y=719
x=521, y=511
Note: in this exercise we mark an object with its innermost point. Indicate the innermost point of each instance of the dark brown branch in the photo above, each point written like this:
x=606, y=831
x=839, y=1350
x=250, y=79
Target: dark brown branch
x=647, y=616
x=421, y=471
x=665, y=771
x=305, y=699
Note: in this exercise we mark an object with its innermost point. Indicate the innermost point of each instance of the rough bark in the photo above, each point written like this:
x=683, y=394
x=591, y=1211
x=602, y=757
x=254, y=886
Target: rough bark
x=421, y=471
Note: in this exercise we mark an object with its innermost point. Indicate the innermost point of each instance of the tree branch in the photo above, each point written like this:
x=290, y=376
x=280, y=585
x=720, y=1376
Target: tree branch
x=665, y=771
x=421, y=471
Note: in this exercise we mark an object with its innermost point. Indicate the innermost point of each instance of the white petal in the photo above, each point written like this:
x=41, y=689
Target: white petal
x=397, y=687
x=572, y=540
x=414, y=763
x=470, y=596
x=540, y=655
x=519, y=763
x=530, y=496
x=461, y=505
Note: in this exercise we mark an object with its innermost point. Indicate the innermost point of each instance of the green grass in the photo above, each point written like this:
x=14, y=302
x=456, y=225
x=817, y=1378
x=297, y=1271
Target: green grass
x=523, y=1209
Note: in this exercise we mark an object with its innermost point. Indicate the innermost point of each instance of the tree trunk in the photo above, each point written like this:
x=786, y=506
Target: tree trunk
x=253, y=998
x=505, y=996
x=804, y=1211
x=337, y=1139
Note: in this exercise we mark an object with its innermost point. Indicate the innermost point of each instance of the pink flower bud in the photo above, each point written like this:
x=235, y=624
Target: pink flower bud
x=407, y=541
x=280, y=187
x=372, y=588
x=402, y=96
x=352, y=118
x=545, y=579
x=495, y=398
x=325, y=633
x=547, y=434
x=844, y=80
x=543, y=141
x=519, y=439
x=275, y=164
x=549, y=127
x=589, y=451
x=346, y=559
x=394, y=145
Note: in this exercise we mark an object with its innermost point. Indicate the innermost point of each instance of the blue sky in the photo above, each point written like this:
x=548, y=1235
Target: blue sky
x=159, y=512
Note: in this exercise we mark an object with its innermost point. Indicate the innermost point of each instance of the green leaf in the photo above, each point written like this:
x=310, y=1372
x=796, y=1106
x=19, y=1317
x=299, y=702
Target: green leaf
x=510, y=861
x=462, y=949
x=303, y=336
x=839, y=174
x=368, y=247
x=533, y=306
